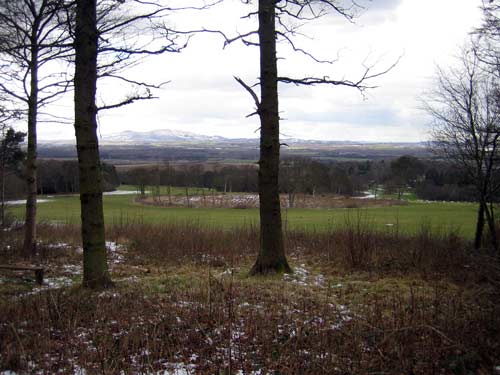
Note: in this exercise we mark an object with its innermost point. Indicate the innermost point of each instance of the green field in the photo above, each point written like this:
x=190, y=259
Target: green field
x=407, y=218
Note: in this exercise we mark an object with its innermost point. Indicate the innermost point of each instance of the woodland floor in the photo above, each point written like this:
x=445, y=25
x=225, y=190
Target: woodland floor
x=359, y=302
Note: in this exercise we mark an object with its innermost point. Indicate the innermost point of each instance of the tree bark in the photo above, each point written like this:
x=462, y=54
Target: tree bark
x=271, y=256
x=95, y=266
x=479, y=226
x=29, y=246
x=3, y=162
x=490, y=219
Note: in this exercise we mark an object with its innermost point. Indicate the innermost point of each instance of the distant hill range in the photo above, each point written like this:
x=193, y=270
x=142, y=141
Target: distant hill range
x=158, y=136
x=165, y=144
x=179, y=136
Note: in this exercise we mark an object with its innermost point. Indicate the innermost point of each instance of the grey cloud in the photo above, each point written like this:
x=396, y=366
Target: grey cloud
x=354, y=117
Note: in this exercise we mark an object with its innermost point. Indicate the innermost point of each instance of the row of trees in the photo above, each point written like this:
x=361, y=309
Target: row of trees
x=40, y=37
x=429, y=179
x=296, y=175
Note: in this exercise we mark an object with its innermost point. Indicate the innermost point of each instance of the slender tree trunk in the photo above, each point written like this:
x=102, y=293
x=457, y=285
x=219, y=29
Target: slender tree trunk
x=3, y=161
x=271, y=256
x=479, y=226
x=3, y=196
x=29, y=246
x=490, y=219
x=95, y=266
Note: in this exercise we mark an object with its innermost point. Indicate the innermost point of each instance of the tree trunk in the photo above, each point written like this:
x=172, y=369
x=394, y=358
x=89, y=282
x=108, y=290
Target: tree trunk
x=271, y=256
x=29, y=246
x=3, y=162
x=479, y=226
x=95, y=266
x=490, y=219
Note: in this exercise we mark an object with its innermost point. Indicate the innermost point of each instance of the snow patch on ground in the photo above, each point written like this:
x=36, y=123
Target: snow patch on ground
x=176, y=369
x=57, y=245
x=116, y=252
x=51, y=283
x=301, y=276
x=122, y=192
x=367, y=195
x=23, y=201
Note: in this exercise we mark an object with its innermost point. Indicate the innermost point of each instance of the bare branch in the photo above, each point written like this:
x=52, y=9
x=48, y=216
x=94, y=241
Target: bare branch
x=127, y=101
x=251, y=92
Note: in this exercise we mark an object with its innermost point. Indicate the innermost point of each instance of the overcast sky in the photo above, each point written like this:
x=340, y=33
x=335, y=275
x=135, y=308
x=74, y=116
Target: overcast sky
x=204, y=98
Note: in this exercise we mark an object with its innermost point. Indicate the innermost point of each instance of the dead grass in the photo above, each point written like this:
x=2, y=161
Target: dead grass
x=242, y=200
x=359, y=302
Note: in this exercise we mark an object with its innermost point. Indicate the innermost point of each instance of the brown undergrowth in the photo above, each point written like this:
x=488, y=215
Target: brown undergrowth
x=247, y=200
x=359, y=302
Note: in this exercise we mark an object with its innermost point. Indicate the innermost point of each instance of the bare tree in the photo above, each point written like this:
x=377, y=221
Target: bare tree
x=487, y=37
x=466, y=112
x=110, y=37
x=32, y=39
x=280, y=21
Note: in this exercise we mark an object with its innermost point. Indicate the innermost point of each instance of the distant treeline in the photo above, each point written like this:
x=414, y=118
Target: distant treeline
x=296, y=175
x=428, y=179
x=220, y=177
x=58, y=176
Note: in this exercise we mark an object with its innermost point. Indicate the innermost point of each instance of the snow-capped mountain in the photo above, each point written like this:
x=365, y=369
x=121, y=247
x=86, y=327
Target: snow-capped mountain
x=158, y=136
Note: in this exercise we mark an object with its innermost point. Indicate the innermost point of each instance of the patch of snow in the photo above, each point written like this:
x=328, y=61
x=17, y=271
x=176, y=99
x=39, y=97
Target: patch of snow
x=258, y=372
x=319, y=280
x=227, y=272
x=299, y=276
x=57, y=245
x=23, y=201
x=73, y=269
x=56, y=283
x=116, y=252
x=367, y=195
x=51, y=283
x=122, y=192
x=57, y=223
x=176, y=369
x=77, y=370
x=108, y=293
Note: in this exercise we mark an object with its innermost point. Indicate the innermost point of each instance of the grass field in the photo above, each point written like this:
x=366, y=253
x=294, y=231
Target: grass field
x=407, y=218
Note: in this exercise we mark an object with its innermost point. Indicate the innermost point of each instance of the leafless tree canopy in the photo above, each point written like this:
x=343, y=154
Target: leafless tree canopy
x=33, y=36
x=487, y=37
x=466, y=112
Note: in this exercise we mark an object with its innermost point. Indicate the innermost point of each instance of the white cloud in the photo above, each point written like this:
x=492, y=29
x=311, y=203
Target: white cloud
x=203, y=97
